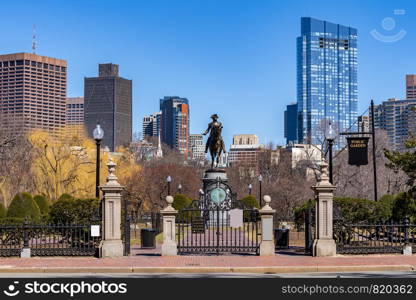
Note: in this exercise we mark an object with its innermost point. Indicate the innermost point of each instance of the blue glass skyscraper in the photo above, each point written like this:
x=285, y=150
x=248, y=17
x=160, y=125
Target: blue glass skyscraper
x=326, y=79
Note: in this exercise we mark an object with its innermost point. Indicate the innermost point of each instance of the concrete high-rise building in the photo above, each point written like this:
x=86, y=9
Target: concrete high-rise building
x=326, y=79
x=411, y=86
x=108, y=101
x=291, y=124
x=75, y=114
x=174, y=123
x=298, y=153
x=397, y=117
x=197, y=147
x=245, y=150
x=151, y=125
x=363, y=124
x=32, y=92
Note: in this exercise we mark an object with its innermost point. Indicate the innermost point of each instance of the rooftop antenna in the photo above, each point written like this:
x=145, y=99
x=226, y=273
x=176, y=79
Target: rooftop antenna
x=34, y=43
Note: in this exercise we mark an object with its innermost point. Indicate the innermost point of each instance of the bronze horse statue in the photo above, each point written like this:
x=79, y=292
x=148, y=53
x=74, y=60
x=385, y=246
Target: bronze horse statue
x=215, y=143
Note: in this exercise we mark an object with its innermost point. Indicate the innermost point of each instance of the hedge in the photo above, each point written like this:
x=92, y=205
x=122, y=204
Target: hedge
x=23, y=206
x=180, y=201
x=68, y=210
x=3, y=211
x=42, y=203
x=250, y=202
x=353, y=210
x=404, y=207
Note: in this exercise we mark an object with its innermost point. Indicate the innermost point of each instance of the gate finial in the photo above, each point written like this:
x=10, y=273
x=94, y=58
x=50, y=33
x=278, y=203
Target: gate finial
x=324, y=177
x=169, y=200
x=267, y=199
x=112, y=179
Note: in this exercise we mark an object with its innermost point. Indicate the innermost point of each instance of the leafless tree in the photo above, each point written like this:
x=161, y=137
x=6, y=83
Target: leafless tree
x=287, y=185
x=15, y=161
x=149, y=188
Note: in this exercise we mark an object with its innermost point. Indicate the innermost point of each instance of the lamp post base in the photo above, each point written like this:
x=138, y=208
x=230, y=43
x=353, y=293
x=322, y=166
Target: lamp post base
x=25, y=253
x=323, y=247
x=267, y=248
x=169, y=249
x=111, y=248
x=407, y=250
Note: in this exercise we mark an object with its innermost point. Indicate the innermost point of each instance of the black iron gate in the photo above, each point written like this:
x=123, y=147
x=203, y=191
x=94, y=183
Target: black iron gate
x=211, y=228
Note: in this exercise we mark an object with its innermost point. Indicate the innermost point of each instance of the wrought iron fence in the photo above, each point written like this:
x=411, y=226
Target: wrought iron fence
x=367, y=238
x=48, y=239
x=147, y=219
x=11, y=239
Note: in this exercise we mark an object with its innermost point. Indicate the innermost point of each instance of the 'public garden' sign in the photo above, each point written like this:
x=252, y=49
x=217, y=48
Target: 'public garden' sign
x=357, y=151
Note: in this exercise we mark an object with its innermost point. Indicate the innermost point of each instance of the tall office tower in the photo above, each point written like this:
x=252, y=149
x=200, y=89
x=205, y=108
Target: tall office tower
x=108, y=101
x=32, y=92
x=291, y=124
x=75, y=115
x=410, y=86
x=397, y=117
x=197, y=147
x=245, y=150
x=151, y=125
x=326, y=79
x=174, y=123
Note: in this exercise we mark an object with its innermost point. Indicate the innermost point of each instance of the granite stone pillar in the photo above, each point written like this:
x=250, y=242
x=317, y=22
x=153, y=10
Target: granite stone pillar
x=169, y=246
x=267, y=239
x=324, y=243
x=111, y=244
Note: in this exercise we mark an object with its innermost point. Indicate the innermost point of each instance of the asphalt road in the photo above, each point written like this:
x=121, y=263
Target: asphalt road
x=382, y=274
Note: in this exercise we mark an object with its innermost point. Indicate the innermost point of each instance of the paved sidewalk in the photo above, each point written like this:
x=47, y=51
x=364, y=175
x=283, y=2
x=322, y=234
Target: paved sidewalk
x=152, y=263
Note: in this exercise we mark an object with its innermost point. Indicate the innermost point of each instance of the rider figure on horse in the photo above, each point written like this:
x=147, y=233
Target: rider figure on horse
x=215, y=142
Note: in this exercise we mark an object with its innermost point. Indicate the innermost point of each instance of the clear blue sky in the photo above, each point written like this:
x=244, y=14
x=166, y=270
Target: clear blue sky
x=234, y=58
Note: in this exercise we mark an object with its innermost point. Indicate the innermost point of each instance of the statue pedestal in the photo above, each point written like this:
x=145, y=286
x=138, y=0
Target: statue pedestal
x=212, y=175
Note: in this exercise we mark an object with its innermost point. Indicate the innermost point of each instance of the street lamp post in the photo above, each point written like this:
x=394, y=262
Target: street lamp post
x=330, y=137
x=169, y=180
x=180, y=188
x=260, y=180
x=250, y=187
x=98, y=135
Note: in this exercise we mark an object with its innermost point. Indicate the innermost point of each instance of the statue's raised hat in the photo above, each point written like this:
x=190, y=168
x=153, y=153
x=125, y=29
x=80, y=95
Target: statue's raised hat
x=214, y=116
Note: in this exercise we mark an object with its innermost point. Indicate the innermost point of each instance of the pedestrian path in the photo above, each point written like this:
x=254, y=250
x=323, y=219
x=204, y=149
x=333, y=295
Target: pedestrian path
x=218, y=264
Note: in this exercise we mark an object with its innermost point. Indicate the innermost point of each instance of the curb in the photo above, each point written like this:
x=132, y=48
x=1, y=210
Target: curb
x=205, y=270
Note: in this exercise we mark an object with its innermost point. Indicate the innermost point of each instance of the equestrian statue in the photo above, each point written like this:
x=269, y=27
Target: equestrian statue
x=215, y=143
